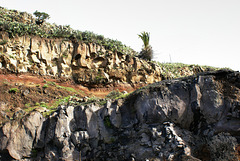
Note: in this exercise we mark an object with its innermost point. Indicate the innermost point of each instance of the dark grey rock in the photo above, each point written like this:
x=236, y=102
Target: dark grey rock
x=191, y=118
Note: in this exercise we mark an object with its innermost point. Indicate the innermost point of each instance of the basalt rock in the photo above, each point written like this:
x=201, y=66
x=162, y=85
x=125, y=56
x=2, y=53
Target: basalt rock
x=193, y=118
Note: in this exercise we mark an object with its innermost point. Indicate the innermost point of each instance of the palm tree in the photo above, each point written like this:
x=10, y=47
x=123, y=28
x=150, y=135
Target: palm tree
x=146, y=52
x=145, y=38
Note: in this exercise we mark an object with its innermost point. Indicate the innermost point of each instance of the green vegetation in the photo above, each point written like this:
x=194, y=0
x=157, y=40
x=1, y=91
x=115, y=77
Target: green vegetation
x=15, y=23
x=69, y=89
x=146, y=52
x=59, y=102
x=43, y=104
x=53, y=107
x=27, y=105
x=107, y=122
x=37, y=104
x=45, y=86
x=51, y=83
x=29, y=109
x=177, y=70
x=113, y=95
x=13, y=90
x=116, y=95
x=41, y=17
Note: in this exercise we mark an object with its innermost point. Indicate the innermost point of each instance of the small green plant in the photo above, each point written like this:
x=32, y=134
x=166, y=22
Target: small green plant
x=44, y=104
x=13, y=90
x=47, y=113
x=37, y=104
x=38, y=85
x=45, y=86
x=92, y=99
x=116, y=95
x=51, y=83
x=113, y=94
x=29, y=109
x=103, y=102
x=54, y=106
x=107, y=122
x=66, y=88
x=27, y=105
x=123, y=96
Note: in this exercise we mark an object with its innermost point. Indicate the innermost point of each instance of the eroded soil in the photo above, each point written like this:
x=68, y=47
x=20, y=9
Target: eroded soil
x=26, y=92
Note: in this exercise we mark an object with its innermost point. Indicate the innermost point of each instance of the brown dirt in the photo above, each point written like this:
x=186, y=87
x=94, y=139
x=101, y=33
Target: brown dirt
x=31, y=92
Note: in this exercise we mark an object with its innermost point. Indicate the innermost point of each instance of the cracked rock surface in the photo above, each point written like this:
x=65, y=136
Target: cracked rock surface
x=193, y=118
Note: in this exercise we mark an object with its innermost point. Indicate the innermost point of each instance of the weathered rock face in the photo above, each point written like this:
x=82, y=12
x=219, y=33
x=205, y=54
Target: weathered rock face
x=194, y=118
x=85, y=63
x=19, y=138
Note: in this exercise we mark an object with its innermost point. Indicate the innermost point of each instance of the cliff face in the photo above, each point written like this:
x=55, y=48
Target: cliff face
x=192, y=118
x=85, y=63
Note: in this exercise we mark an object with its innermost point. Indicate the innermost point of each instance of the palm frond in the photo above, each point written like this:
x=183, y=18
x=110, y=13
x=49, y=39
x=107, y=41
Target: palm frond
x=145, y=38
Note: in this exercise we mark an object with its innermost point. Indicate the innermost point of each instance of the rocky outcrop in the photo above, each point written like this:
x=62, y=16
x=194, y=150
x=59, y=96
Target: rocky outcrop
x=194, y=118
x=85, y=63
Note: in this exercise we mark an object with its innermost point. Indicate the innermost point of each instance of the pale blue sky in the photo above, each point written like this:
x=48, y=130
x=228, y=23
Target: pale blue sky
x=205, y=32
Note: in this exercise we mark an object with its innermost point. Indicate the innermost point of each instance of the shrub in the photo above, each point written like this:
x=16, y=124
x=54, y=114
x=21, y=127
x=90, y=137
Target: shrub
x=41, y=17
x=45, y=86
